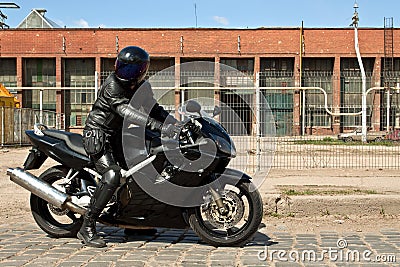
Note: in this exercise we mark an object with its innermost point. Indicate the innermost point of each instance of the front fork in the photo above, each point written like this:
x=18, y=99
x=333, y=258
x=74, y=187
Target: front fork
x=215, y=194
x=218, y=200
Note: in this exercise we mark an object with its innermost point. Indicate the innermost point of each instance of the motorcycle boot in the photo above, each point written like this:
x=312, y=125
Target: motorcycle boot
x=102, y=195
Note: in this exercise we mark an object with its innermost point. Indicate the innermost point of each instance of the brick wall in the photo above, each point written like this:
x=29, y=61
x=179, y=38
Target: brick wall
x=196, y=42
x=200, y=43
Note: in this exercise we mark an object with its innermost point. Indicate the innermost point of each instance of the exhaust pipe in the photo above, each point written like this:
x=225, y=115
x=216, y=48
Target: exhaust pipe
x=43, y=190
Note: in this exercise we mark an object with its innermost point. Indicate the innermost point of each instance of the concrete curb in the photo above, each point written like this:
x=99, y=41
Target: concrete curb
x=319, y=205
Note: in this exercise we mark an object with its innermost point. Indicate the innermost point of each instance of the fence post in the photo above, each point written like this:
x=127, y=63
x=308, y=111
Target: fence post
x=182, y=100
x=96, y=84
x=41, y=106
x=258, y=121
x=2, y=126
x=20, y=126
x=388, y=110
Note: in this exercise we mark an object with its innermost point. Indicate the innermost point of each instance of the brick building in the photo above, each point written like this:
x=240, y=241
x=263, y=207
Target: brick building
x=62, y=63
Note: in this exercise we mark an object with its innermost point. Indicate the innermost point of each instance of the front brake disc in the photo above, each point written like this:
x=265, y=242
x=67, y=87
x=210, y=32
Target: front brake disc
x=235, y=211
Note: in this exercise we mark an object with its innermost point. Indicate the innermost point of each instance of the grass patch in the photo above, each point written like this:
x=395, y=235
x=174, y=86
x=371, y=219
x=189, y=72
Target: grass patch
x=310, y=190
x=279, y=215
x=331, y=141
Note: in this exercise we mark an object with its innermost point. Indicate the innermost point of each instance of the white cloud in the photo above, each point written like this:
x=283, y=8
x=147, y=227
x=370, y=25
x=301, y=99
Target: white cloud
x=221, y=20
x=82, y=23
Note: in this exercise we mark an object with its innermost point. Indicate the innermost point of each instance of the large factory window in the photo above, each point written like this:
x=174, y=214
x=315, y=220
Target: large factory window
x=40, y=73
x=351, y=90
x=78, y=76
x=8, y=72
x=278, y=72
x=317, y=72
x=161, y=75
x=390, y=77
x=238, y=87
x=197, y=80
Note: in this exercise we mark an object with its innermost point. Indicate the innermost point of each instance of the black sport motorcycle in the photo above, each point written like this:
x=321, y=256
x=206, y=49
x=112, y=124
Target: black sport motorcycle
x=220, y=204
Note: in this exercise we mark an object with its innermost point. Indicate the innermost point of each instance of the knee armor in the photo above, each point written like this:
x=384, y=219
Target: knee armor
x=112, y=176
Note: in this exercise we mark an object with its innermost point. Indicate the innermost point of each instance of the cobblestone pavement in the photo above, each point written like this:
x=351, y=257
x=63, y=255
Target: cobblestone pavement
x=361, y=239
x=24, y=244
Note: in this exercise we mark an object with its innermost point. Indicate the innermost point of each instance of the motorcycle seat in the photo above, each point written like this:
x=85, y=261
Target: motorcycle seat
x=72, y=140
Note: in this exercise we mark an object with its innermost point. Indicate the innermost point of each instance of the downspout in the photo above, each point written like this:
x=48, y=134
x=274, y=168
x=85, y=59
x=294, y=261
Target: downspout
x=364, y=78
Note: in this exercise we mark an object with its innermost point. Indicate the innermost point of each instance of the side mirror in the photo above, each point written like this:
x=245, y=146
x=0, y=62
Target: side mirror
x=217, y=110
x=193, y=107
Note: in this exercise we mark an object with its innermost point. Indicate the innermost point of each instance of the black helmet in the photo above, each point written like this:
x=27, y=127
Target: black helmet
x=132, y=64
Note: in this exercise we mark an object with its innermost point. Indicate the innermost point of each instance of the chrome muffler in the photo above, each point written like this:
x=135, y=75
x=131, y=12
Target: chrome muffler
x=43, y=190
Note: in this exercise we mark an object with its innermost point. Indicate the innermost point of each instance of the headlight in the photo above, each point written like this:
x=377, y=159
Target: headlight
x=224, y=145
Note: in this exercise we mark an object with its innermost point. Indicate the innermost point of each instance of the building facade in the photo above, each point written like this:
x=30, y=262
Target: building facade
x=54, y=69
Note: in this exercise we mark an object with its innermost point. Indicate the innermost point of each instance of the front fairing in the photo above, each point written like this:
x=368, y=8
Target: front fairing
x=213, y=130
x=210, y=129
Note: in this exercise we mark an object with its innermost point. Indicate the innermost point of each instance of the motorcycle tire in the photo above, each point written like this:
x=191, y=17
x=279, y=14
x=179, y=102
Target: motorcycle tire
x=233, y=236
x=63, y=224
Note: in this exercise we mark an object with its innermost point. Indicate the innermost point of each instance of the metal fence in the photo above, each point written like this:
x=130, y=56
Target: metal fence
x=15, y=121
x=261, y=151
x=305, y=153
x=252, y=109
x=313, y=145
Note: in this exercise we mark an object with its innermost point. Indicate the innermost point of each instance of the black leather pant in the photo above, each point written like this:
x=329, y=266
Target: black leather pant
x=98, y=147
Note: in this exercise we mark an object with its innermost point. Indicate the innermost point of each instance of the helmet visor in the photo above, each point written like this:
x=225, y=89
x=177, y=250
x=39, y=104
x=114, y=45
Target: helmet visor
x=131, y=72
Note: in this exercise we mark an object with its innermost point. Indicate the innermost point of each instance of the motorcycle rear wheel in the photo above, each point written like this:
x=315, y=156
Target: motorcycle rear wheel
x=238, y=226
x=54, y=221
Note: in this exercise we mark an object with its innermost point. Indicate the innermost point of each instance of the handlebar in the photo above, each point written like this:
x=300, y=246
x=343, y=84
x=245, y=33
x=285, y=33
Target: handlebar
x=186, y=131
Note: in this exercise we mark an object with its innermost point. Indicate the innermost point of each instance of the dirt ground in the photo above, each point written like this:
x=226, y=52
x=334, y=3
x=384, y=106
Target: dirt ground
x=365, y=213
x=344, y=200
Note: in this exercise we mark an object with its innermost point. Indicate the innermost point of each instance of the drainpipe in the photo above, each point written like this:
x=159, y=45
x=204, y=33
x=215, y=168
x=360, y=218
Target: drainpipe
x=364, y=78
x=303, y=93
x=364, y=88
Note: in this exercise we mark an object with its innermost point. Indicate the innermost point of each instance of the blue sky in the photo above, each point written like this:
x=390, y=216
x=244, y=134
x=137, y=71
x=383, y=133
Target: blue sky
x=210, y=13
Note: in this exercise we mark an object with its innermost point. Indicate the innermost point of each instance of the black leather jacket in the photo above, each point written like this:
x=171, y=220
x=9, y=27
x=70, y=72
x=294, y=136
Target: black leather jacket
x=113, y=104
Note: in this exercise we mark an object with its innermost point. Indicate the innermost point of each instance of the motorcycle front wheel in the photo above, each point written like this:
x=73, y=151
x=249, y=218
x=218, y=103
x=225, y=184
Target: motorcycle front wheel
x=236, y=224
x=55, y=221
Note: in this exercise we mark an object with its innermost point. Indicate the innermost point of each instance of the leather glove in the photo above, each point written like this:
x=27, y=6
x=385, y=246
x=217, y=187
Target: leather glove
x=154, y=125
x=169, y=130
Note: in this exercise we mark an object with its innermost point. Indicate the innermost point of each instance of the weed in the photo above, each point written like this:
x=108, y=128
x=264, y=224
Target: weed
x=382, y=211
x=331, y=141
x=279, y=215
x=326, y=212
x=326, y=190
x=275, y=214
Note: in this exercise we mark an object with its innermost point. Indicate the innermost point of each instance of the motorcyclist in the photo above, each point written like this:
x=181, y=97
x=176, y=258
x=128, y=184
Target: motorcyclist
x=105, y=122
